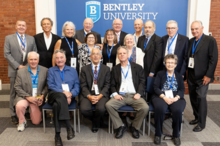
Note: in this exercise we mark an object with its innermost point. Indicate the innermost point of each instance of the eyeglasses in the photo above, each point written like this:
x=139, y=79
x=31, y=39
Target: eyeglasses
x=95, y=54
x=170, y=63
x=110, y=34
x=171, y=28
x=91, y=38
x=88, y=23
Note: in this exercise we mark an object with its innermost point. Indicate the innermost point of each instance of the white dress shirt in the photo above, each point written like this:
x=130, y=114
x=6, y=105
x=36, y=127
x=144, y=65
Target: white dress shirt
x=47, y=40
x=173, y=46
x=118, y=35
x=136, y=38
x=25, y=41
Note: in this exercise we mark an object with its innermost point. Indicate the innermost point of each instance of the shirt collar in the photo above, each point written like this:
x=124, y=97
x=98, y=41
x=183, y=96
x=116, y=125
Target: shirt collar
x=118, y=33
x=45, y=36
x=86, y=32
x=126, y=65
x=20, y=34
x=66, y=67
x=140, y=34
x=29, y=69
x=93, y=65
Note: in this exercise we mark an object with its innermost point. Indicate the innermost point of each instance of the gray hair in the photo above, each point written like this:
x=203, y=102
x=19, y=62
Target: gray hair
x=154, y=25
x=128, y=36
x=59, y=51
x=122, y=47
x=46, y=18
x=170, y=56
x=172, y=21
x=33, y=52
x=200, y=22
x=100, y=51
x=70, y=24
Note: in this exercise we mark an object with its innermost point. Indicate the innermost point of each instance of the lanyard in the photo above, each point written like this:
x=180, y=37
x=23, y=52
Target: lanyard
x=194, y=47
x=171, y=42
x=88, y=48
x=145, y=45
x=109, y=53
x=119, y=39
x=71, y=48
x=23, y=43
x=84, y=33
x=62, y=73
x=126, y=73
x=131, y=55
x=170, y=84
x=94, y=72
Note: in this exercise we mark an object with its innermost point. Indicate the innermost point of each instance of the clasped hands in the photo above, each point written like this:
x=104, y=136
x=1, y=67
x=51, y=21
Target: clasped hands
x=68, y=95
x=94, y=99
x=169, y=101
x=36, y=101
x=119, y=97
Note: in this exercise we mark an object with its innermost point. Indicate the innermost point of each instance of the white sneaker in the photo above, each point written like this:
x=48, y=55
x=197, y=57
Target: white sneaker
x=22, y=126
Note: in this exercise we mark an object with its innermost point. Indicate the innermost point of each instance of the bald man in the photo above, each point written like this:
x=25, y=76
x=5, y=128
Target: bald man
x=117, y=26
x=88, y=25
x=138, y=25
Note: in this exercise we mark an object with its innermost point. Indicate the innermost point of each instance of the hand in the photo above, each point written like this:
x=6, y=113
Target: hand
x=21, y=66
x=175, y=99
x=94, y=99
x=100, y=45
x=183, y=76
x=118, y=97
x=168, y=100
x=40, y=100
x=137, y=96
x=150, y=75
x=69, y=100
x=32, y=100
x=68, y=94
x=206, y=80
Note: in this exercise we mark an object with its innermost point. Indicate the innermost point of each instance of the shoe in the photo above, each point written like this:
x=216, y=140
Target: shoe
x=94, y=128
x=131, y=117
x=157, y=140
x=176, y=141
x=135, y=133
x=120, y=132
x=193, y=122
x=14, y=119
x=58, y=141
x=22, y=126
x=27, y=116
x=70, y=133
x=197, y=129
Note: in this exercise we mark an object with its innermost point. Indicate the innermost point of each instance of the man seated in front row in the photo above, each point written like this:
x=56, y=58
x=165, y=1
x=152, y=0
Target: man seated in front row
x=31, y=88
x=63, y=86
x=127, y=87
x=95, y=84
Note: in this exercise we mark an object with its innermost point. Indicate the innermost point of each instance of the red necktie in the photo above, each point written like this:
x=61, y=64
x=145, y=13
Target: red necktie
x=95, y=77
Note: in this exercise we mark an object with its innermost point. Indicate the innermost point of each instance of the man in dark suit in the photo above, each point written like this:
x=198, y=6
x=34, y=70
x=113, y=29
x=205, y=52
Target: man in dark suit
x=202, y=61
x=127, y=87
x=88, y=25
x=150, y=43
x=45, y=43
x=16, y=48
x=95, y=84
x=175, y=43
x=117, y=26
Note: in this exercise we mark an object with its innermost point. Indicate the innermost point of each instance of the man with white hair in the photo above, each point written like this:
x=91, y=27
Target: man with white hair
x=138, y=25
x=31, y=88
x=117, y=26
x=175, y=43
x=202, y=61
x=88, y=25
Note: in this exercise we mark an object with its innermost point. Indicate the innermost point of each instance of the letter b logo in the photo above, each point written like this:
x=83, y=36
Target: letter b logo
x=92, y=9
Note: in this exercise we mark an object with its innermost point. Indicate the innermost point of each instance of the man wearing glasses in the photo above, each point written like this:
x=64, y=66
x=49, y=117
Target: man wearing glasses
x=117, y=26
x=175, y=43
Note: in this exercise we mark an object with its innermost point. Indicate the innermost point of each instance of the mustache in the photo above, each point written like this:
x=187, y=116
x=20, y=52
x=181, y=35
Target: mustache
x=60, y=61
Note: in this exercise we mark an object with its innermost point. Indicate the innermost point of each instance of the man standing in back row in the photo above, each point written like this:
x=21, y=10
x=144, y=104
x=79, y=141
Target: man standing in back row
x=202, y=61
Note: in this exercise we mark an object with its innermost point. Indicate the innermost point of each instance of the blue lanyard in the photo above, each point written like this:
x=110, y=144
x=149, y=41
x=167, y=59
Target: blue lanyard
x=131, y=55
x=127, y=71
x=170, y=84
x=171, y=42
x=84, y=33
x=71, y=48
x=94, y=72
x=109, y=53
x=119, y=39
x=88, y=48
x=23, y=43
x=145, y=45
x=194, y=47
x=62, y=73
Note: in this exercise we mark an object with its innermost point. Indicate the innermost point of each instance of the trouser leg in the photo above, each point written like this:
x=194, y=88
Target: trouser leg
x=12, y=96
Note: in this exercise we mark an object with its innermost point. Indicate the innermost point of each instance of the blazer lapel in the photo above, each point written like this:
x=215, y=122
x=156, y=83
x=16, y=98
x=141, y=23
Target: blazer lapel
x=17, y=43
x=43, y=41
x=178, y=42
x=200, y=43
x=118, y=70
x=165, y=45
x=150, y=42
x=133, y=73
x=100, y=75
x=28, y=75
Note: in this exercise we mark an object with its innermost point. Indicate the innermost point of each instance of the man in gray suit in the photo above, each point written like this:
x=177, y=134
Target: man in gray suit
x=31, y=88
x=16, y=48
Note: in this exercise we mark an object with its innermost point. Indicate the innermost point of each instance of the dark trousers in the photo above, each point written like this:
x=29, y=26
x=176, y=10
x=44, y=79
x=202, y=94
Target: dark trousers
x=87, y=112
x=59, y=103
x=160, y=108
x=197, y=94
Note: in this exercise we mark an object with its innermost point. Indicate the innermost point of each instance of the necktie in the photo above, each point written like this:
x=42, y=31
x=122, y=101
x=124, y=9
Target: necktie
x=95, y=79
x=170, y=49
x=22, y=46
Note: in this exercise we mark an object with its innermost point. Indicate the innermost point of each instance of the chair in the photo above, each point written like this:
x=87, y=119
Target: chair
x=125, y=108
x=150, y=89
x=72, y=107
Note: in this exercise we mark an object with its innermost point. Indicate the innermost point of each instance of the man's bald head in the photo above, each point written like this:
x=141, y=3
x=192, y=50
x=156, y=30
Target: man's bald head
x=88, y=24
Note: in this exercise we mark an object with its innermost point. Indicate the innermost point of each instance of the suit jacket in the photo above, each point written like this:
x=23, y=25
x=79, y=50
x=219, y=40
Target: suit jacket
x=137, y=76
x=205, y=57
x=103, y=80
x=23, y=83
x=13, y=54
x=122, y=37
x=181, y=49
x=45, y=55
x=153, y=53
x=80, y=36
x=161, y=78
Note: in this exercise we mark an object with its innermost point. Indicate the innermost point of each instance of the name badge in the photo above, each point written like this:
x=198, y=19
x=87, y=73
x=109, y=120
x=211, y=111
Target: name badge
x=65, y=87
x=122, y=88
x=34, y=92
x=96, y=89
x=73, y=62
x=109, y=65
x=169, y=93
x=191, y=62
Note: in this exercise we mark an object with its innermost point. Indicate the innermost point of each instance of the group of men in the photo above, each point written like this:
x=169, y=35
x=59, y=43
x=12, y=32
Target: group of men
x=30, y=79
